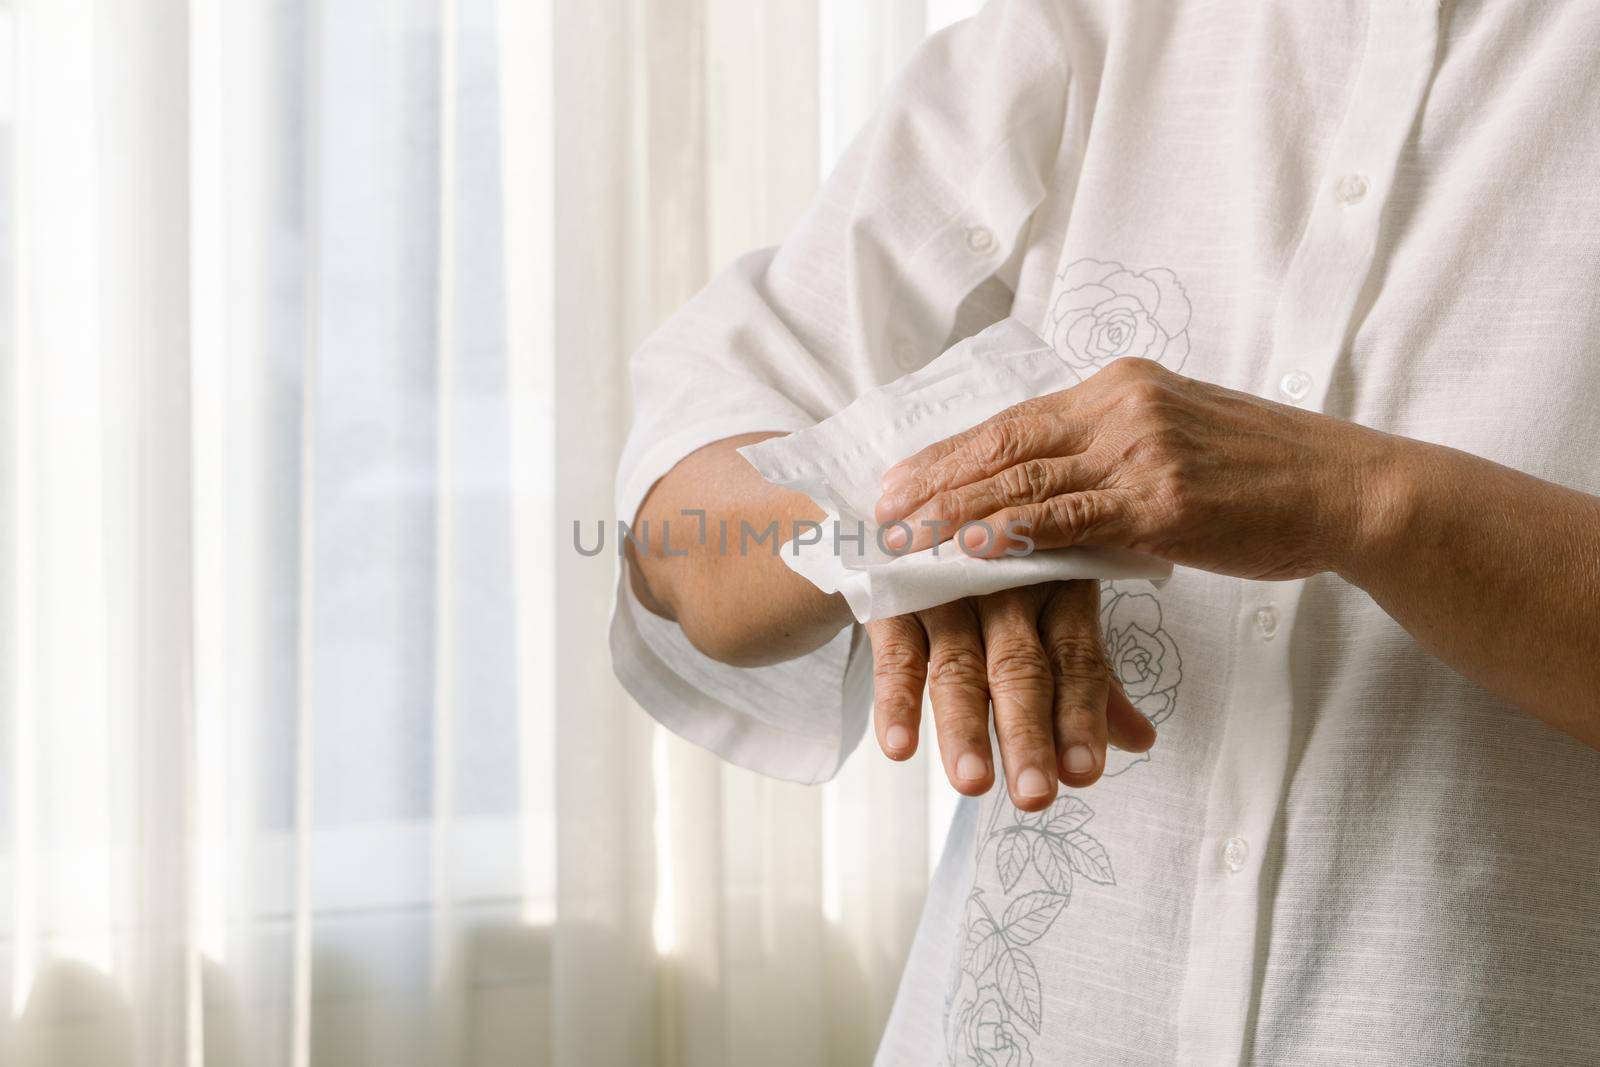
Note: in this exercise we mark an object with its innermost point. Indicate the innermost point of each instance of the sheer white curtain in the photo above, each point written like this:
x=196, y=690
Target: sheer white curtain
x=314, y=319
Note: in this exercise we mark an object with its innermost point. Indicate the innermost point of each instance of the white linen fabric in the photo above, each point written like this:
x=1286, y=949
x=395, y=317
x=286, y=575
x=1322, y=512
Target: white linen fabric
x=839, y=462
x=1339, y=848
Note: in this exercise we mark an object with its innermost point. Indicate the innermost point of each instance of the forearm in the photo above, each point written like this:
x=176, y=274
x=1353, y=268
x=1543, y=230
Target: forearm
x=733, y=596
x=1495, y=572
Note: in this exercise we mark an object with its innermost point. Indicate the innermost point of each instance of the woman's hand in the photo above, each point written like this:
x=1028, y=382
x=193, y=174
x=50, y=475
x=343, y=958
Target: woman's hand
x=1035, y=654
x=1143, y=458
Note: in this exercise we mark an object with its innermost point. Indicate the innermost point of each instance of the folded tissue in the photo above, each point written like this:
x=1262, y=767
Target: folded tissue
x=839, y=461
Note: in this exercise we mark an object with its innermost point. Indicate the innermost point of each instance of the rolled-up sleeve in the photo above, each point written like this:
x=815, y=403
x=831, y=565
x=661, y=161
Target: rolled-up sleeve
x=933, y=200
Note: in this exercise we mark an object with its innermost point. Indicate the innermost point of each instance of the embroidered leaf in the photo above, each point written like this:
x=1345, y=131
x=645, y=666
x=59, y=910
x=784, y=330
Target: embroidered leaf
x=1030, y=915
x=1010, y=858
x=1067, y=814
x=978, y=931
x=1018, y=983
x=1089, y=858
x=1027, y=818
x=983, y=951
x=1054, y=865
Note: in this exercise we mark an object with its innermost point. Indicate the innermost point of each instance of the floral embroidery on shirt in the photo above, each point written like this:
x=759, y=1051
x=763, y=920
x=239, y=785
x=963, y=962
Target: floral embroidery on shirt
x=1104, y=311
x=995, y=999
x=1143, y=657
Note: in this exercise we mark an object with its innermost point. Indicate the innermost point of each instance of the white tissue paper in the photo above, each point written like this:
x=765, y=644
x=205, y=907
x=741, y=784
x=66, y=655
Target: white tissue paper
x=838, y=463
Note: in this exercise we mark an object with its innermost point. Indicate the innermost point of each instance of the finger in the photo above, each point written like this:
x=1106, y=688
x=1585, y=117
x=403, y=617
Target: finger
x=898, y=474
x=1029, y=482
x=1051, y=425
x=899, y=668
x=1126, y=725
x=1070, y=629
x=1020, y=690
x=1092, y=517
x=958, y=686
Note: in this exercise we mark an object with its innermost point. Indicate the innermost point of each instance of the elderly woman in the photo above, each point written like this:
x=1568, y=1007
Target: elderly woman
x=1327, y=275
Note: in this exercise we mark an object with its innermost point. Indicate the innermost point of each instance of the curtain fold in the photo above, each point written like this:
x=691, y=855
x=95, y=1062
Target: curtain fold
x=314, y=326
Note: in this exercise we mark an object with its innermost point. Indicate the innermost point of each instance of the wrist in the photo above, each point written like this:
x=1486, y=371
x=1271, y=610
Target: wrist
x=1384, y=510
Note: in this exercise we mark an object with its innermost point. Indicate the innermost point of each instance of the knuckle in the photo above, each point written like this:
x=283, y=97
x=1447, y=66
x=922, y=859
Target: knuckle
x=896, y=660
x=1144, y=392
x=957, y=667
x=1013, y=485
x=1127, y=370
x=897, y=702
x=1076, y=655
x=1070, y=515
x=1026, y=482
x=1018, y=665
x=1024, y=733
x=997, y=444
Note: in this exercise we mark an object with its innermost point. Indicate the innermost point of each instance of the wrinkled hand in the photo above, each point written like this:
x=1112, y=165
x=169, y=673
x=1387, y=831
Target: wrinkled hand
x=1140, y=457
x=1035, y=654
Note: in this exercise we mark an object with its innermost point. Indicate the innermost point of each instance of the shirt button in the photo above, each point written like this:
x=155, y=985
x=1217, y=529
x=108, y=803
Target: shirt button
x=1351, y=189
x=1235, y=850
x=1295, y=385
x=980, y=239
x=1266, y=621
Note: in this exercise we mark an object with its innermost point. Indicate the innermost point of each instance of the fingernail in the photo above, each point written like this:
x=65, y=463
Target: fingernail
x=897, y=537
x=975, y=538
x=1032, y=783
x=897, y=737
x=971, y=767
x=1080, y=759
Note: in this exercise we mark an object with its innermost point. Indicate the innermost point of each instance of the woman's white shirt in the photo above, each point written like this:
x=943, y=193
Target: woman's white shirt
x=1340, y=848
